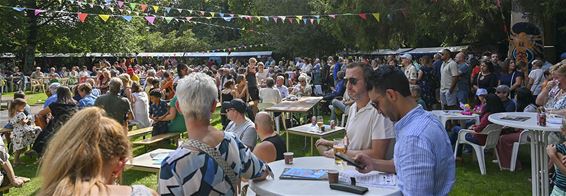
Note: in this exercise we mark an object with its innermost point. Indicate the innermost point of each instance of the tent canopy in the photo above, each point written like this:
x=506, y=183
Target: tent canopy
x=149, y=54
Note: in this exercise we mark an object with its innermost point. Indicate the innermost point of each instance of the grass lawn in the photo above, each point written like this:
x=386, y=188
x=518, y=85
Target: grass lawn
x=469, y=181
x=31, y=98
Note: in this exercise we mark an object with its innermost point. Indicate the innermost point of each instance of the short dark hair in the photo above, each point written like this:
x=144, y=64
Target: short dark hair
x=155, y=93
x=366, y=69
x=270, y=82
x=388, y=77
x=19, y=94
x=493, y=104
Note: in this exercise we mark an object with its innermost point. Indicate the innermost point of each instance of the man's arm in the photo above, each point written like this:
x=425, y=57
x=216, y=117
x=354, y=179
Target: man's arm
x=378, y=150
x=369, y=164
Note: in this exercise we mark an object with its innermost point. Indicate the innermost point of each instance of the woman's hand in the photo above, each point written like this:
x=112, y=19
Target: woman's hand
x=551, y=150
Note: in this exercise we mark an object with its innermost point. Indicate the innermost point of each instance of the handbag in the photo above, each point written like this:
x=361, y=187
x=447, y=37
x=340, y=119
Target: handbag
x=215, y=154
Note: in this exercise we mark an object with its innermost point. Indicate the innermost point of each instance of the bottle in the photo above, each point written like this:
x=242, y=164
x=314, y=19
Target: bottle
x=541, y=117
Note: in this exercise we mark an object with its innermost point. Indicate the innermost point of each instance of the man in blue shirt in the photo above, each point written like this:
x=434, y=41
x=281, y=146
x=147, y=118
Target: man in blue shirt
x=52, y=94
x=423, y=157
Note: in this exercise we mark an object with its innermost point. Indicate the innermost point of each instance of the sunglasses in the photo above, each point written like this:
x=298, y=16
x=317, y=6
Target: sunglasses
x=352, y=81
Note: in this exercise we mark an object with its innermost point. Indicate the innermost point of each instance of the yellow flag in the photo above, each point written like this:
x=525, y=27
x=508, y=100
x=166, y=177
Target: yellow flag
x=155, y=8
x=377, y=16
x=104, y=17
x=212, y=14
x=300, y=17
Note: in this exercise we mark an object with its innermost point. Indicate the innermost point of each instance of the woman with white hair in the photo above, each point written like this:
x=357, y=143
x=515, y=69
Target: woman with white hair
x=302, y=88
x=212, y=162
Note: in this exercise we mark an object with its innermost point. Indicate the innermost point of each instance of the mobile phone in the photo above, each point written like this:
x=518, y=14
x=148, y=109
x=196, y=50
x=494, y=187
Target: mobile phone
x=348, y=160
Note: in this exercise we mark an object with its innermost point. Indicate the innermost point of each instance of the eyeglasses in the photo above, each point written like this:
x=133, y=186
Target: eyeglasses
x=352, y=81
x=500, y=92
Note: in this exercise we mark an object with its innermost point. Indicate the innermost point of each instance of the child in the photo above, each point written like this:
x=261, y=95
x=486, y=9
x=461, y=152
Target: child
x=24, y=131
x=27, y=109
x=480, y=93
x=416, y=94
x=157, y=110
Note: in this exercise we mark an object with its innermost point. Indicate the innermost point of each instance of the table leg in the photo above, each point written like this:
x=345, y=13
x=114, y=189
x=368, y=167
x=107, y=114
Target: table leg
x=287, y=140
x=534, y=169
x=312, y=147
x=544, y=169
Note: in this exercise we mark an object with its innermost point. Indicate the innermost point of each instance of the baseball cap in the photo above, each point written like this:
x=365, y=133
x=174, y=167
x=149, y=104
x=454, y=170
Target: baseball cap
x=407, y=56
x=53, y=87
x=238, y=104
x=481, y=91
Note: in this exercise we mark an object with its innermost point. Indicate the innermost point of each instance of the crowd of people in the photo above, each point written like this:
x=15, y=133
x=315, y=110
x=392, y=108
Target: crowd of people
x=387, y=128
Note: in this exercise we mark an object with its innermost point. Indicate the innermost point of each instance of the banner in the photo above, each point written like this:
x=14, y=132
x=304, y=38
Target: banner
x=526, y=35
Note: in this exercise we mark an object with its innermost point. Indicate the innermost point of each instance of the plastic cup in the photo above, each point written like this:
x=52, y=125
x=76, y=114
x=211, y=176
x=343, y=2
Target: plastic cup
x=288, y=158
x=332, y=176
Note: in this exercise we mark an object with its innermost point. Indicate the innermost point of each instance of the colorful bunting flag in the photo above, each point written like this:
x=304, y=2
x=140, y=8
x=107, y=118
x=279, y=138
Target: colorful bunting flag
x=377, y=17
x=221, y=14
x=150, y=19
x=104, y=17
x=212, y=14
x=363, y=16
x=312, y=20
x=333, y=16
x=127, y=18
x=133, y=6
x=168, y=19
x=120, y=4
x=189, y=18
x=143, y=7
x=82, y=16
x=168, y=9
x=227, y=19
x=37, y=11
x=19, y=9
x=300, y=17
x=155, y=8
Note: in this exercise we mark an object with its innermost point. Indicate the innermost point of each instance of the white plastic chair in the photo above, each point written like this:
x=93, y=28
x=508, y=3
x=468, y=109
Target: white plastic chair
x=492, y=131
x=343, y=121
x=523, y=139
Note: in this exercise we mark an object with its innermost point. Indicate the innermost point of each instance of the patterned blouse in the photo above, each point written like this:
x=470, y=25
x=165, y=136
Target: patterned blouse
x=187, y=172
x=556, y=100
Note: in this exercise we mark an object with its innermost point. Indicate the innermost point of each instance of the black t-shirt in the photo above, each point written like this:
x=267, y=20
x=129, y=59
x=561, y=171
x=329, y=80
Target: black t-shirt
x=279, y=144
x=252, y=80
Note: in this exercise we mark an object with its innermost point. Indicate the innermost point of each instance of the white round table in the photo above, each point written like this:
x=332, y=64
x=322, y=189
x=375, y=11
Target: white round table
x=446, y=115
x=307, y=187
x=539, y=139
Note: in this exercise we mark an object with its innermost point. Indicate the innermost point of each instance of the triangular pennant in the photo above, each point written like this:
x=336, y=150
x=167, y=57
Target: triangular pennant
x=282, y=18
x=133, y=6
x=104, y=17
x=318, y=20
x=143, y=7
x=300, y=17
x=249, y=18
x=180, y=11
x=242, y=16
x=221, y=14
x=60, y=1
x=72, y=1
x=167, y=9
x=227, y=19
x=82, y=16
x=290, y=20
x=208, y=18
x=121, y=10
x=231, y=15
x=108, y=1
x=298, y=20
x=212, y=14
x=37, y=12
x=120, y=4
x=305, y=21
x=189, y=18
x=168, y=19
x=274, y=18
x=312, y=20
x=111, y=9
x=155, y=8
x=317, y=16
x=129, y=11
x=202, y=13
x=363, y=16
x=91, y=5
x=127, y=18
x=333, y=16
x=150, y=19
x=266, y=18
x=377, y=16
x=258, y=18
x=101, y=6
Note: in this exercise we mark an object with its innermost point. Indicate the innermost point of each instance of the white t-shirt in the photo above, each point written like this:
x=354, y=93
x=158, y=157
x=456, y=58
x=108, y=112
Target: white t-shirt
x=447, y=71
x=262, y=76
x=269, y=95
x=411, y=72
x=141, y=110
x=538, y=76
x=368, y=124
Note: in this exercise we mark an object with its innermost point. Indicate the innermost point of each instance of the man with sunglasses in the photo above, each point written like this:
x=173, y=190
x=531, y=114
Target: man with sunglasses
x=423, y=158
x=367, y=131
x=502, y=91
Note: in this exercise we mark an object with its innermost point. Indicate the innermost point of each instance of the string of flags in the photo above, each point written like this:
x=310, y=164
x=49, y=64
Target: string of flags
x=149, y=18
x=153, y=10
x=232, y=49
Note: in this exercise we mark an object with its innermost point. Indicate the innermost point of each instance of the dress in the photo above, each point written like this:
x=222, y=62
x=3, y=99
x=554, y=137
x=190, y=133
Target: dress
x=61, y=114
x=23, y=135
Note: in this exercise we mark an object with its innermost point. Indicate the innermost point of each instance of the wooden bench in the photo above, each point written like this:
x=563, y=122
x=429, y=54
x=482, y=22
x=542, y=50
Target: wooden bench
x=138, y=132
x=158, y=138
x=6, y=189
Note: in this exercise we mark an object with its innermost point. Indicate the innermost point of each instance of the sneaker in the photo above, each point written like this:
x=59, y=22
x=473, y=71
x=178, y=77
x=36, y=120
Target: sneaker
x=495, y=161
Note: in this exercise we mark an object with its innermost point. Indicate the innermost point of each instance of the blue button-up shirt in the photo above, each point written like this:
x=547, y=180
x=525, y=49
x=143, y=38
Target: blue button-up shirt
x=87, y=101
x=423, y=155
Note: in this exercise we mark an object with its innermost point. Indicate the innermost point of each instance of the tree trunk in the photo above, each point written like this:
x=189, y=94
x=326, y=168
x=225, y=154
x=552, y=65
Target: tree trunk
x=31, y=40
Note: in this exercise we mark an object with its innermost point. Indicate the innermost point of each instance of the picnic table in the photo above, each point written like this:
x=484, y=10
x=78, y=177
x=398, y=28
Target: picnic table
x=312, y=131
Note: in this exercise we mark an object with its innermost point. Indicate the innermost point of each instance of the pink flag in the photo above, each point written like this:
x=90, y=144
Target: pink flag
x=120, y=4
x=143, y=7
x=189, y=18
x=150, y=19
x=37, y=11
x=333, y=16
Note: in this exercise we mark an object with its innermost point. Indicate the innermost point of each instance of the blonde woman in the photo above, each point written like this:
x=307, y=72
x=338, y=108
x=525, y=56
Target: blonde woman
x=126, y=87
x=97, y=149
